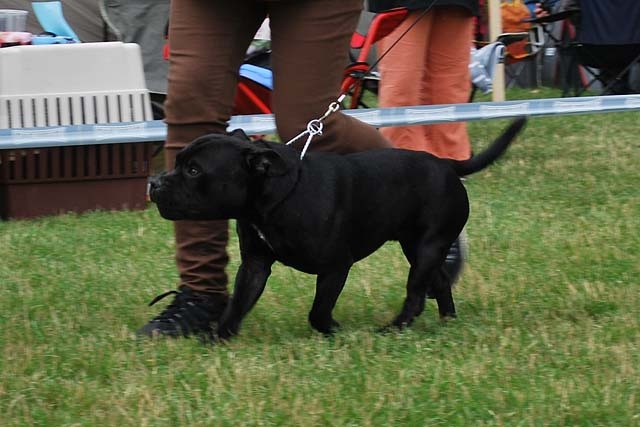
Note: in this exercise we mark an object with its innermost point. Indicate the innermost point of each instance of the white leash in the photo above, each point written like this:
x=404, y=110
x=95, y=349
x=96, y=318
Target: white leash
x=314, y=127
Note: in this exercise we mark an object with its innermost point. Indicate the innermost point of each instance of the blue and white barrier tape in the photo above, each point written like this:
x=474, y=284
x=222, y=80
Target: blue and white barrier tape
x=264, y=124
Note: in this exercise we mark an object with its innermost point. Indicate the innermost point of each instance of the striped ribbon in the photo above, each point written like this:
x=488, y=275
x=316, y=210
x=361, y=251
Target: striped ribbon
x=264, y=124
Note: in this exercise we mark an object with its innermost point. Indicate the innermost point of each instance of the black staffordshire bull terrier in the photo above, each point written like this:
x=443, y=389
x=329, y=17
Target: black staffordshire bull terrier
x=325, y=212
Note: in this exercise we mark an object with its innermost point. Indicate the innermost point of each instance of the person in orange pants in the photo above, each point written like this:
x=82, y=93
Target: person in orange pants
x=425, y=62
x=428, y=65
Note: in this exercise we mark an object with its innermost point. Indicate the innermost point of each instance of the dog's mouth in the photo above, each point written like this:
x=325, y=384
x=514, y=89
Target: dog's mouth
x=170, y=212
x=167, y=208
x=184, y=208
x=163, y=196
x=174, y=212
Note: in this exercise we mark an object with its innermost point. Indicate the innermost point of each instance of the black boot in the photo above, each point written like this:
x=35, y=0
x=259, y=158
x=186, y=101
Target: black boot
x=190, y=313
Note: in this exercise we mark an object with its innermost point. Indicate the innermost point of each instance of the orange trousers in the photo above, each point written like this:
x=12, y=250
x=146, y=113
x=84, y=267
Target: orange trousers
x=429, y=65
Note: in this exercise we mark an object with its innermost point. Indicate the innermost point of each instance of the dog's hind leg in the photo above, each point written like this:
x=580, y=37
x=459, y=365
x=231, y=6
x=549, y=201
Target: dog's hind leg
x=444, y=297
x=328, y=287
x=425, y=255
x=415, y=300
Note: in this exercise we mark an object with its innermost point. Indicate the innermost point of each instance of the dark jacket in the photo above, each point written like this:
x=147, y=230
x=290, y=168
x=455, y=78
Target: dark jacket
x=381, y=5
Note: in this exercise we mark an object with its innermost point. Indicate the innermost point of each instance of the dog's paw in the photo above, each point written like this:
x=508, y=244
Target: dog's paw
x=326, y=328
x=226, y=330
x=208, y=338
x=448, y=317
x=396, y=326
x=388, y=329
x=335, y=327
x=402, y=321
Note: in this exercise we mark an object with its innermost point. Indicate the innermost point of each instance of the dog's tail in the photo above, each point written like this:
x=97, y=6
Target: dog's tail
x=478, y=162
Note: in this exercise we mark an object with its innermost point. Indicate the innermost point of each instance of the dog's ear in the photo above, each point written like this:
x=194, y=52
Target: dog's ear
x=265, y=162
x=239, y=133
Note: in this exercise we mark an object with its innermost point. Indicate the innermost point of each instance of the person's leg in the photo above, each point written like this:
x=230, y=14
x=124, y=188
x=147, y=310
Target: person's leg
x=201, y=249
x=406, y=79
x=429, y=65
x=207, y=41
x=310, y=42
x=448, y=80
x=402, y=75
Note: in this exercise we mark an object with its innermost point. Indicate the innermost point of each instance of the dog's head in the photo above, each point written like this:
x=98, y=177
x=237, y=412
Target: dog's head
x=215, y=177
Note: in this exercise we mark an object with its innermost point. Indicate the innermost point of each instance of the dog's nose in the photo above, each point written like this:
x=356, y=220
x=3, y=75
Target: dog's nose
x=154, y=183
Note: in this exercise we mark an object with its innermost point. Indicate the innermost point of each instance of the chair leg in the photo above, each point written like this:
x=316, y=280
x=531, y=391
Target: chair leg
x=620, y=75
x=472, y=95
x=512, y=73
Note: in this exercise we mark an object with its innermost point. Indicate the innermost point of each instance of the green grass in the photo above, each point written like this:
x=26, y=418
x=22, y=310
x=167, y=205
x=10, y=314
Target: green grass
x=548, y=332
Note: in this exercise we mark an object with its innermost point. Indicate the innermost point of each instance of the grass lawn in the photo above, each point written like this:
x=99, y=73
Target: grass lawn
x=548, y=332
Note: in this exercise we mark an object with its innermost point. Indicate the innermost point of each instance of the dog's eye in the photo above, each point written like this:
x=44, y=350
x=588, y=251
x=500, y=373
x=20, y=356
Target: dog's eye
x=193, y=171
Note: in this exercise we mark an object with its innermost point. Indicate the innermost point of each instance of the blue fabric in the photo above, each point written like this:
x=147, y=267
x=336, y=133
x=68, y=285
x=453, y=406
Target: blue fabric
x=483, y=64
x=531, y=4
x=51, y=18
x=259, y=75
x=38, y=40
x=611, y=22
x=383, y=5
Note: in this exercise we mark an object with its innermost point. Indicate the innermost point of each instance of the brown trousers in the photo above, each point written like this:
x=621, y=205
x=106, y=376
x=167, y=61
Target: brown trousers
x=208, y=40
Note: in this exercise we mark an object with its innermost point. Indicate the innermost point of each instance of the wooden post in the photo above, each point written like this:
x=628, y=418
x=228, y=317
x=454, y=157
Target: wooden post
x=495, y=29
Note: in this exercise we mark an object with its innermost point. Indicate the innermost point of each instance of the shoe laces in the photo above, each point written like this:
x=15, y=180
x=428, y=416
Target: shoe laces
x=189, y=309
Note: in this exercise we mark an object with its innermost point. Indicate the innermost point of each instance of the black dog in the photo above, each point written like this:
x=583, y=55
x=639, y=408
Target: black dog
x=325, y=212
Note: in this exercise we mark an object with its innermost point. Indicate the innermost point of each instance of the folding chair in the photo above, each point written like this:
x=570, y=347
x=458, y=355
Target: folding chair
x=523, y=53
x=606, y=45
x=254, y=89
x=358, y=75
x=254, y=86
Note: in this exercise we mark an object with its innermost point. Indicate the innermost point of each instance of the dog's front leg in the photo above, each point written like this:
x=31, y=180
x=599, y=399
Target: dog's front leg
x=250, y=282
x=328, y=288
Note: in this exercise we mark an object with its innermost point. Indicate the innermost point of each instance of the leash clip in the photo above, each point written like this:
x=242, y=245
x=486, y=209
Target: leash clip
x=314, y=127
x=333, y=107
